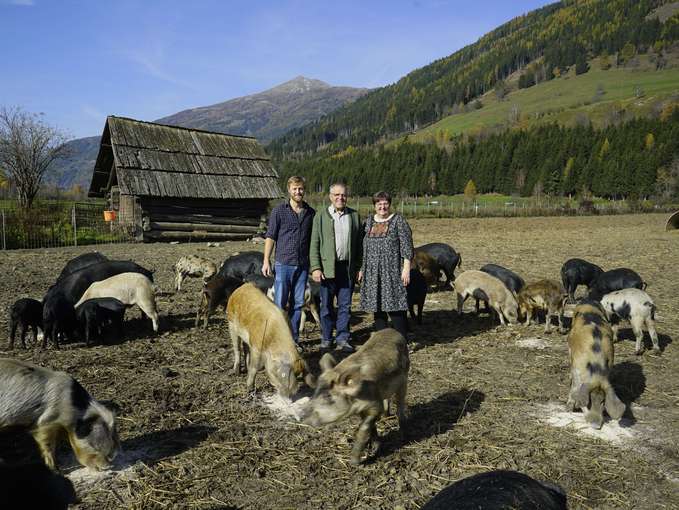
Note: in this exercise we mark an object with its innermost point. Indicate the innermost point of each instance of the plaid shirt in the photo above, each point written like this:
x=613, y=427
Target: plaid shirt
x=291, y=233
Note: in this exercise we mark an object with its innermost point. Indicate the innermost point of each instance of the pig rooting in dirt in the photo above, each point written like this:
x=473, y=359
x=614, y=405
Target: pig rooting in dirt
x=362, y=385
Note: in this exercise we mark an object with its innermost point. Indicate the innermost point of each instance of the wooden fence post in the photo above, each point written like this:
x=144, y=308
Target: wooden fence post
x=75, y=227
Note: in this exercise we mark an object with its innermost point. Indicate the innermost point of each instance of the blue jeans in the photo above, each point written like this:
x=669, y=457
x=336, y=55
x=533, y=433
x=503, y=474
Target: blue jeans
x=289, y=285
x=340, y=287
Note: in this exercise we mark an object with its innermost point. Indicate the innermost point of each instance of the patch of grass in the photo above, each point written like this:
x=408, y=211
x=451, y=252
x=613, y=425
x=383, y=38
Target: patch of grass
x=562, y=99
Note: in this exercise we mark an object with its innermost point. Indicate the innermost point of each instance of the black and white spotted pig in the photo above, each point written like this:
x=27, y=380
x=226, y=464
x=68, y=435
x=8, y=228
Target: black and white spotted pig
x=635, y=306
x=615, y=279
x=25, y=312
x=590, y=347
x=193, y=266
x=50, y=404
x=576, y=272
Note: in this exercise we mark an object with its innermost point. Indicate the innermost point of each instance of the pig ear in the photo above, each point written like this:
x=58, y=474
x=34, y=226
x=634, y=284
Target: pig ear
x=327, y=362
x=349, y=378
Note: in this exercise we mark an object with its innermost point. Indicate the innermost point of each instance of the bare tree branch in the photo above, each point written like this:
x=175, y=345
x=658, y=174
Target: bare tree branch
x=28, y=147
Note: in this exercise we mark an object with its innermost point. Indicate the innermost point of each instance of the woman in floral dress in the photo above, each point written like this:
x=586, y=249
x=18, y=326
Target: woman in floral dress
x=387, y=250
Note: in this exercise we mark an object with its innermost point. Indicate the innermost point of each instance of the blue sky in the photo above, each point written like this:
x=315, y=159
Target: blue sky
x=78, y=61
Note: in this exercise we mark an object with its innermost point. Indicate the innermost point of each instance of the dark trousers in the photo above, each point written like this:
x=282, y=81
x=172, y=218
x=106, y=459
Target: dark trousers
x=399, y=321
x=340, y=287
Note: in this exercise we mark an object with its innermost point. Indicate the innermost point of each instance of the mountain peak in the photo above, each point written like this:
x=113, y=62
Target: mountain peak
x=300, y=84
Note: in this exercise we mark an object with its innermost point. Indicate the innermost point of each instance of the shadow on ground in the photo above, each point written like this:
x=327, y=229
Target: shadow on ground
x=629, y=382
x=432, y=418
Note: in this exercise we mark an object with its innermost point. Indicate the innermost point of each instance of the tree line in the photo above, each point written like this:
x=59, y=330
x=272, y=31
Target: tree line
x=628, y=159
x=550, y=39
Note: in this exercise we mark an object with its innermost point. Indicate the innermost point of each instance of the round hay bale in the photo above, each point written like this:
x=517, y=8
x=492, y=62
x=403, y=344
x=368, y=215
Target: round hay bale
x=673, y=222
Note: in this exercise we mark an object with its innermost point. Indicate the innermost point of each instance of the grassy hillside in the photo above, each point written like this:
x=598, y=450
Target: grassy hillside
x=598, y=95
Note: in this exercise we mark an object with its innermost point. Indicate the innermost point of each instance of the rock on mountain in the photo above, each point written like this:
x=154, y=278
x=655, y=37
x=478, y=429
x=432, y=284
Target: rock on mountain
x=271, y=113
x=264, y=115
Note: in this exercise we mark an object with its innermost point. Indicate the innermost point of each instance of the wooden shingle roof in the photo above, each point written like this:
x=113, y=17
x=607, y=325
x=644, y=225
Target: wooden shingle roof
x=148, y=159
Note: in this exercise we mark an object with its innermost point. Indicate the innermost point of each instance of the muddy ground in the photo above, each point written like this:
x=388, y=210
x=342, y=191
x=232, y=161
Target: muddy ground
x=480, y=398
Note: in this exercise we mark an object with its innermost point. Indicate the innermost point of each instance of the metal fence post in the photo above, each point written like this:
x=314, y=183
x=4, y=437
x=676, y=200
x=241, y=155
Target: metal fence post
x=4, y=241
x=75, y=227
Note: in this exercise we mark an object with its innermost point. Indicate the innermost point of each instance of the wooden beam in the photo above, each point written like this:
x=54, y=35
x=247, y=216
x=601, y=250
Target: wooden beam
x=172, y=235
x=188, y=227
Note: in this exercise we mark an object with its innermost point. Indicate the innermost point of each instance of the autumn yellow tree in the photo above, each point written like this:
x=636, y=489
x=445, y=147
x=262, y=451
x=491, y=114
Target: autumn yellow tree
x=649, y=141
x=470, y=191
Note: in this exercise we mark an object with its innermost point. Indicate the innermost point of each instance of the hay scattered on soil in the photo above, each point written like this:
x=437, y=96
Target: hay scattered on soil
x=553, y=413
x=125, y=467
x=533, y=343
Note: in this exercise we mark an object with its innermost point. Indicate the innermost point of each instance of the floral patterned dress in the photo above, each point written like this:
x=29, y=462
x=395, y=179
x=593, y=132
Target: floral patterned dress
x=385, y=246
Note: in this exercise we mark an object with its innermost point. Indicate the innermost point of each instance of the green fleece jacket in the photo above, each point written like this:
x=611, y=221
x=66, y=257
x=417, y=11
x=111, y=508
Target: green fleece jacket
x=322, y=253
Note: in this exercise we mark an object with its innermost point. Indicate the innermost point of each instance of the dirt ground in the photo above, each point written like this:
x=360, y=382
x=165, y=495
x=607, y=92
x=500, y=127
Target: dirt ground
x=480, y=397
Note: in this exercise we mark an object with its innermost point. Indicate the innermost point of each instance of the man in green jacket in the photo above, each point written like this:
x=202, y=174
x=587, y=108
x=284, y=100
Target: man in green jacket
x=334, y=261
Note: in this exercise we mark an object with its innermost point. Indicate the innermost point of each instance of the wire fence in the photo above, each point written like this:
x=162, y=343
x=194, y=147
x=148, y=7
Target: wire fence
x=59, y=223
x=445, y=207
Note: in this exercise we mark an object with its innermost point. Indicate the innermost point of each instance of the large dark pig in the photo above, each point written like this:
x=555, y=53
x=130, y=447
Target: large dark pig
x=81, y=262
x=576, y=272
x=511, y=280
x=615, y=279
x=263, y=283
x=360, y=384
x=59, y=302
x=446, y=257
x=73, y=286
x=417, y=294
x=242, y=264
x=499, y=489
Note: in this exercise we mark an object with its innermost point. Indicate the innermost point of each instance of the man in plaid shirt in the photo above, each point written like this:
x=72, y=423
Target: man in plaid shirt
x=290, y=230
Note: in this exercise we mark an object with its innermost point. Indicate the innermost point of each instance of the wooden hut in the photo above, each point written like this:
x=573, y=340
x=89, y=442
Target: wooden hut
x=173, y=183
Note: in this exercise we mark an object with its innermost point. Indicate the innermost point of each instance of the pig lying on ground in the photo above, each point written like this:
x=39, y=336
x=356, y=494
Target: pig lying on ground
x=128, y=288
x=360, y=384
x=264, y=328
x=546, y=295
x=635, y=306
x=216, y=292
x=576, y=272
x=51, y=403
x=27, y=313
x=489, y=289
x=193, y=266
x=496, y=490
x=590, y=347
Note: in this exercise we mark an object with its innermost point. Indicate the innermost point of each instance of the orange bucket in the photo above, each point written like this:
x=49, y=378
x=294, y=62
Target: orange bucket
x=109, y=215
